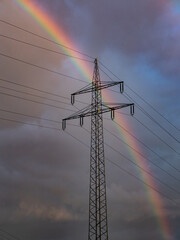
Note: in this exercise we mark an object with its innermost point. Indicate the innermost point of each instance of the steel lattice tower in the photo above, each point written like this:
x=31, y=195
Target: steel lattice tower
x=98, y=226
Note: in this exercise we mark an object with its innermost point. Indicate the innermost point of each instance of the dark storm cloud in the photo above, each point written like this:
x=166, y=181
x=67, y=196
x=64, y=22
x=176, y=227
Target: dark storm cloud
x=37, y=177
x=39, y=195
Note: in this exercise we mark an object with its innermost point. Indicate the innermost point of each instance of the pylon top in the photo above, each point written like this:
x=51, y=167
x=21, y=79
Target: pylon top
x=95, y=61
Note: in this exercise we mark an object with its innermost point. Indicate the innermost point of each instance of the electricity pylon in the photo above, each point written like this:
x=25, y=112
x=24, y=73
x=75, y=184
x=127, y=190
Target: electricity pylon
x=98, y=226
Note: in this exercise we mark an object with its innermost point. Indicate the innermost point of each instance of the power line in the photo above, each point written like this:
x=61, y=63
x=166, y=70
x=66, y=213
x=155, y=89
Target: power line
x=37, y=89
x=39, y=95
x=76, y=125
x=106, y=129
x=142, y=169
x=99, y=130
x=141, y=97
x=143, y=156
x=141, y=181
x=150, y=117
x=32, y=124
x=81, y=102
x=42, y=126
x=94, y=145
x=47, y=39
x=163, y=159
x=42, y=91
x=35, y=117
x=149, y=186
x=42, y=68
x=31, y=94
x=26, y=115
x=50, y=99
x=50, y=105
x=152, y=107
x=146, y=126
x=62, y=102
x=81, y=142
x=143, y=110
x=156, y=136
x=78, y=58
x=137, y=165
x=4, y=110
x=43, y=48
x=124, y=170
x=9, y=234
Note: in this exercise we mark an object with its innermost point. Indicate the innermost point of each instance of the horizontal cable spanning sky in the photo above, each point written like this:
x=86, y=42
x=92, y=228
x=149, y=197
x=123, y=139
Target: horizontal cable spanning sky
x=60, y=36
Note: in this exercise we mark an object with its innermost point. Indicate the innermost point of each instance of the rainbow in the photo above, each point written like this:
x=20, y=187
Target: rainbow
x=59, y=35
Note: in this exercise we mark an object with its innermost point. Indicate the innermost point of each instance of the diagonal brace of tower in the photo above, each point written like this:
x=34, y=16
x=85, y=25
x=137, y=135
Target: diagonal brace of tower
x=98, y=226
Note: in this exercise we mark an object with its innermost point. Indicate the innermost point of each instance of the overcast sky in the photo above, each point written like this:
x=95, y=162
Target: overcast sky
x=44, y=172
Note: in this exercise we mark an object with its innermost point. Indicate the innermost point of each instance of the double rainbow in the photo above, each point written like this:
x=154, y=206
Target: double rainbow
x=60, y=36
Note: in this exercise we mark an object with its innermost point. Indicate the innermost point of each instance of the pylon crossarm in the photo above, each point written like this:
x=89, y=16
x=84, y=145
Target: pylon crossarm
x=86, y=112
x=96, y=87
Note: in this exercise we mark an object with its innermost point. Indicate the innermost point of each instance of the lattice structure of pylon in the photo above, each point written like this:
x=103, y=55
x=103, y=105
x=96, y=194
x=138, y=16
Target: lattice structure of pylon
x=98, y=226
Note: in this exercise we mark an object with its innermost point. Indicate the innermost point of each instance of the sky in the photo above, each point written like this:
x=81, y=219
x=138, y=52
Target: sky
x=44, y=172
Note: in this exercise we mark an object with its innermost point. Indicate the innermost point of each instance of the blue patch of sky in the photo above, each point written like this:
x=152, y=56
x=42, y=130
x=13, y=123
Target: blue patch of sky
x=156, y=78
x=176, y=6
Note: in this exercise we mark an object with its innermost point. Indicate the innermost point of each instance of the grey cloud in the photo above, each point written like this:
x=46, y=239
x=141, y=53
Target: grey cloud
x=45, y=173
x=136, y=28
